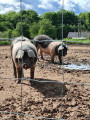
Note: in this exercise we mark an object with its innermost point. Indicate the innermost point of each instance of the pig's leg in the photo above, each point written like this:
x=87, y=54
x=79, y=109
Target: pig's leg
x=32, y=75
x=37, y=52
x=60, y=59
x=52, y=58
x=32, y=72
x=15, y=72
x=19, y=75
x=41, y=55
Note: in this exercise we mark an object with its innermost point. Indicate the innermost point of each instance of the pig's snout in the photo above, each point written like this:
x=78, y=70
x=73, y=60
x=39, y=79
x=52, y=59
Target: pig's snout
x=25, y=66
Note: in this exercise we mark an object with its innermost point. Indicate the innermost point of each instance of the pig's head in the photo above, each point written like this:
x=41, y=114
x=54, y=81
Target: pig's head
x=62, y=50
x=26, y=59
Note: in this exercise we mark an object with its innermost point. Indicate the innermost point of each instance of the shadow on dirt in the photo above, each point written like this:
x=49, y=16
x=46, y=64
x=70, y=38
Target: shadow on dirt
x=48, y=88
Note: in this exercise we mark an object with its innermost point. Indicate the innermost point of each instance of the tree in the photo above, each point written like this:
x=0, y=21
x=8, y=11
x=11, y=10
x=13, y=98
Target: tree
x=3, y=26
x=47, y=28
x=15, y=33
x=88, y=20
x=29, y=16
x=52, y=16
x=6, y=34
x=12, y=18
x=34, y=28
x=85, y=20
x=23, y=28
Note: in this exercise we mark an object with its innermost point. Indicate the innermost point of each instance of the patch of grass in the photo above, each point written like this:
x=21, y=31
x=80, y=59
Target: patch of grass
x=77, y=41
x=6, y=42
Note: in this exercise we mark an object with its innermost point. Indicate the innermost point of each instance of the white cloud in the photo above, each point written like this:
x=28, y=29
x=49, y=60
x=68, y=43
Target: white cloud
x=67, y=4
x=55, y=5
x=27, y=6
x=7, y=1
x=12, y=5
x=4, y=10
x=46, y=4
x=84, y=5
x=9, y=5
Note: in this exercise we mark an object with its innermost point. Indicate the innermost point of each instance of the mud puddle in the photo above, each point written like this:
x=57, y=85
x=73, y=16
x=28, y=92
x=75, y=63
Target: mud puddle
x=78, y=66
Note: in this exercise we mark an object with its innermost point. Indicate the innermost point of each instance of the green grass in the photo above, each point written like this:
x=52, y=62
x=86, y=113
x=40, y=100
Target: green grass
x=6, y=42
x=70, y=41
x=77, y=41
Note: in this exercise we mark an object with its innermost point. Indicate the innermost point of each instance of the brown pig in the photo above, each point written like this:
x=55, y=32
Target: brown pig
x=24, y=56
x=51, y=47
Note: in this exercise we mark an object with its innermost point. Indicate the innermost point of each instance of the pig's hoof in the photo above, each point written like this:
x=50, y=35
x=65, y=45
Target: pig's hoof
x=19, y=81
x=32, y=83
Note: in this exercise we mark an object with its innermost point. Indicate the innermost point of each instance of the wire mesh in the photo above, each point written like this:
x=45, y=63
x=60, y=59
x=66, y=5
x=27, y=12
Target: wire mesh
x=35, y=80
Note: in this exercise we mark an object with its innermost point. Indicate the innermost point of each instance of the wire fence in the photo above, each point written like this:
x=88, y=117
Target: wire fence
x=40, y=81
x=66, y=41
x=44, y=81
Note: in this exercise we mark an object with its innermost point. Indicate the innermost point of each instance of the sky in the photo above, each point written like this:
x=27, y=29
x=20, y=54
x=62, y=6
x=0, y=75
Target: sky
x=42, y=6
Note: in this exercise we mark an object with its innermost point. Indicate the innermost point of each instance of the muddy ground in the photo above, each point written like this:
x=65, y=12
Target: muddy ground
x=50, y=100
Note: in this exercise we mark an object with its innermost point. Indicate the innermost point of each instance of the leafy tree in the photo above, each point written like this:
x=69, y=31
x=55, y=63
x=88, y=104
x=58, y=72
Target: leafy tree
x=49, y=23
x=23, y=28
x=15, y=33
x=34, y=29
x=66, y=30
x=59, y=17
x=73, y=28
x=6, y=34
x=3, y=26
x=9, y=25
x=12, y=18
x=52, y=16
x=85, y=19
x=59, y=31
x=29, y=16
x=47, y=28
x=89, y=37
x=88, y=20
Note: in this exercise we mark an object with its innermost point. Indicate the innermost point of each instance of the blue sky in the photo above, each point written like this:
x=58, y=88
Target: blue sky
x=42, y=6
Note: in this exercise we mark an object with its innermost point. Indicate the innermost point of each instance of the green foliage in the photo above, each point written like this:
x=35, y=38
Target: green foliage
x=29, y=16
x=34, y=29
x=47, y=28
x=6, y=42
x=6, y=34
x=69, y=18
x=49, y=23
x=12, y=18
x=89, y=37
x=52, y=16
x=85, y=19
x=3, y=27
x=15, y=33
x=23, y=28
x=78, y=41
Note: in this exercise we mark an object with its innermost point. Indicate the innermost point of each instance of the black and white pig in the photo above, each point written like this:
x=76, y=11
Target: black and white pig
x=52, y=48
x=24, y=56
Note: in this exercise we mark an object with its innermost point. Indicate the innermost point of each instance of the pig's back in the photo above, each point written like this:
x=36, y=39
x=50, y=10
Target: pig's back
x=23, y=45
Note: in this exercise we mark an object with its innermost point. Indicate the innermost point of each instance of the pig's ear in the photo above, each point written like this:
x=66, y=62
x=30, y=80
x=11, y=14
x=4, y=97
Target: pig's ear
x=31, y=53
x=67, y=47
x=20, y=54
x=61, y=47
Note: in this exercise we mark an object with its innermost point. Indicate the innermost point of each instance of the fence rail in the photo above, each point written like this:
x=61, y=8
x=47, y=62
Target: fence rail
x=52, y=81
x=9, y=39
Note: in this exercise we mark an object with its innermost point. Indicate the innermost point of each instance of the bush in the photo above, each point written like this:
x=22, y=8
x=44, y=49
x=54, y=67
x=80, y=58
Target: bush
x=6, y=34
x=89, y=37
x=6, y=42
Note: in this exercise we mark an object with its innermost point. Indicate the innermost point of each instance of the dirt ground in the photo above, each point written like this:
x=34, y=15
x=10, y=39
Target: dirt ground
x=50, y=100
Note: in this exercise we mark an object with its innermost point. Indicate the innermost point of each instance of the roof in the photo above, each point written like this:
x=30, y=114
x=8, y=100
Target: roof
x=76, y=34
